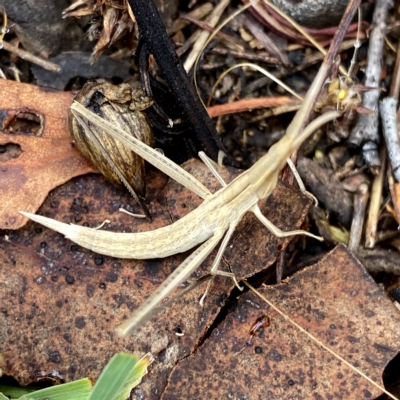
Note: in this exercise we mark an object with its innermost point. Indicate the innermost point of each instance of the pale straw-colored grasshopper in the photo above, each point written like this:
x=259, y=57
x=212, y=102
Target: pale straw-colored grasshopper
x=215, y=219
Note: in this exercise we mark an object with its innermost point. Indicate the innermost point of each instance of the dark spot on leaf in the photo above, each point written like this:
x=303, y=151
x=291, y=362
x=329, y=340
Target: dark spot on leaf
x=89, y=290
x=80, y=322
x=275, y=355
x=116, y=265
x=152, y=267
x=258, y=350
x=55, y=357
x=102, y=285
x=67, y=337
x=382, y=348
x=314, y=386
x=353, y=339
x=70, y=279
x=319, y=314
x=367, y=394
x=72, y=369
x=369, y=313
x=138, y=283
x=118, y=298
x=111, y=277
x=98, y=260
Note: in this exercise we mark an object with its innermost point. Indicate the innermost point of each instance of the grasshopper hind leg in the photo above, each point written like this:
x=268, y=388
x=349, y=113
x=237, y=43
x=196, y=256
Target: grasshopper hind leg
x=214, y=269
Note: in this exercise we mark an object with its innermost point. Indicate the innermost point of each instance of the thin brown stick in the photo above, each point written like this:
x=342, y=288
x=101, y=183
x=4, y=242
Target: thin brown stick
x=393, y=194
x=360, y=206
x=395, y=84
x=247, y=105
x=258, y=32
x=207, y=27
x=50, y=66
x=375, y=203
x=246, y=55
x=213, y=19
x=198, y=13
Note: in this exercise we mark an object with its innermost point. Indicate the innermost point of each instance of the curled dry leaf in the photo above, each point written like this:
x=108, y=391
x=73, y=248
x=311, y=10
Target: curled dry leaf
x=37, y=153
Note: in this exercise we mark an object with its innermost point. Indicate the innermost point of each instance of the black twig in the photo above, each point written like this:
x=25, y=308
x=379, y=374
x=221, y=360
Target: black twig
x=154, y=40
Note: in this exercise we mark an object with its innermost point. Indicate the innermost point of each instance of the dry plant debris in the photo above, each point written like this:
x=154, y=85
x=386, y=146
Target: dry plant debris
x=39, y=154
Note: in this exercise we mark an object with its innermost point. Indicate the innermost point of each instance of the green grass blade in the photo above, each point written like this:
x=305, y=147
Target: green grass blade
x=2, y=397
x=15, y=392
x=122, y=373
x=76, y=390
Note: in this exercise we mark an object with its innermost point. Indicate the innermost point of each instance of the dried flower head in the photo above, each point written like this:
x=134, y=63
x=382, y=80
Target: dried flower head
x=111, y=21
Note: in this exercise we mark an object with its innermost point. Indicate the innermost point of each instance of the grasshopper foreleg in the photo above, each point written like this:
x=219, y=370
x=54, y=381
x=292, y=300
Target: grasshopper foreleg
x=212, y=166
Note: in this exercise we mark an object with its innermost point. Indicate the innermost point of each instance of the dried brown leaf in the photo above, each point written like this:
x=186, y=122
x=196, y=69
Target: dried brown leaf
x=42, y=159
x=60, y=303
x=337, y=302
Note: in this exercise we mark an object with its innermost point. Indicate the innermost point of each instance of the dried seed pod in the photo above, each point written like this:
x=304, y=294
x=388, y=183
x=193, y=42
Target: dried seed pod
x=123, y=106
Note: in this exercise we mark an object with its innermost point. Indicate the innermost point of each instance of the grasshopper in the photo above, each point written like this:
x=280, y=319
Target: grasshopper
x=214, y=220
